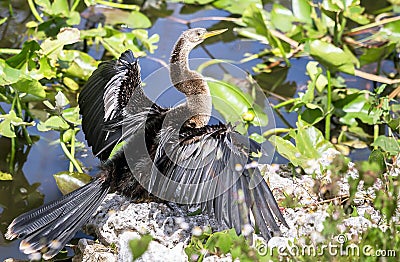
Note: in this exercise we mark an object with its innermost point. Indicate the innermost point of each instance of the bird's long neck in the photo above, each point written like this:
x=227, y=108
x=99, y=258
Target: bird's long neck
x=192, y=84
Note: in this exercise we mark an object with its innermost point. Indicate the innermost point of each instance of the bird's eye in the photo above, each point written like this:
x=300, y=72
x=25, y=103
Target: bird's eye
x=198, y=34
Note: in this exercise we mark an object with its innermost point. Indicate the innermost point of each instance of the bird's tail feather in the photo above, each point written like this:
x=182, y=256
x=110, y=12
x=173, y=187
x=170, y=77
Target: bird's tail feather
x=48, y=228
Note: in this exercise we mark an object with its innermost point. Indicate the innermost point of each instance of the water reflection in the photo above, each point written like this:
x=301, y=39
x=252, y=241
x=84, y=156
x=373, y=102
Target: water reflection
x=18, y=195
x=10, y=31
x=24, y=195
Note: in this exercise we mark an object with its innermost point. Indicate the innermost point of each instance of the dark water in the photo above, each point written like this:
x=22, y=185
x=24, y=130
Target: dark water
x=34, y=185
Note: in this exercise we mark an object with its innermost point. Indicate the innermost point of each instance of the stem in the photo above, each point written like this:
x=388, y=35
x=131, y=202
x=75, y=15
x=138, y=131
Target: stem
x=275, y=131
x=341, y=136
x=19, y=114
x=12, y=156
x=335, y=31
x=72, y=150
x=328, y=107
x=383, y=10
x=27, y=136
x=376, y=134
x=34, y=11
x=10, y=8
x=378, y=23
x=117, y=5
x=283, y=53
x=70, y=157
x=9, y=51
x=13, y=142
x=285, y=103
x=75, y=5
x=255, y=56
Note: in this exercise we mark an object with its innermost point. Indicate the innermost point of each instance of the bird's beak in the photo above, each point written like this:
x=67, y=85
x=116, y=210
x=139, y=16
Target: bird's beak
x=213, y=33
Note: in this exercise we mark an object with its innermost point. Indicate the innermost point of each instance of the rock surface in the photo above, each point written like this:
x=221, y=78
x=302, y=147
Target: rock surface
x=117, y=220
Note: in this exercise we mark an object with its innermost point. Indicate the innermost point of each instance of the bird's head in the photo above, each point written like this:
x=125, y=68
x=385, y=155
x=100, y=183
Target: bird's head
x=196, y=36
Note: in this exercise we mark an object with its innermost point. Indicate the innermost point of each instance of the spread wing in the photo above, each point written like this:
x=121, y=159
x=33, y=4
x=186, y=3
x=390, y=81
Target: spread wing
x=105, y=97
x=213, y=166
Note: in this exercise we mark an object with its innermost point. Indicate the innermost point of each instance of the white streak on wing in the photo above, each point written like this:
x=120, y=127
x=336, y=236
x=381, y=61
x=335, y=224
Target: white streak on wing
x=110, y=97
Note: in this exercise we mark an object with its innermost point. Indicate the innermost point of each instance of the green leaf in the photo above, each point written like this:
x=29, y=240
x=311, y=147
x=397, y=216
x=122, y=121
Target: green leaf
x=232, y=103
x=60, y=7
x=9, y=121
x=310, y=142
x=45, y=4
x=74, y=18
x=387, y=144
x=45, y=70
x=27, y=54
x=68, y=182
x=120, y=42
x=378, y=157
x=66, y=36
x=5, y=176
x=236, y=6
x=146, y=41
x=391, y=31
x=394, y=124
x=224, y=244
x=312, y=114
x=332, y=57
x=139, y=246
x=3, y=20
x=32, y=87
x=53, y=123
x=72, y=115
x=6, y=129
x=79, y=64
x=257, y=137
x=302, y=10
x=355, y=13
x=191, y=2
x=132, y=19
x=68, y=134
x=288, y=150
x=254, y=18
x=310, y=145
x=376, y=54
x=94, y=32
x=282, y=18
x=8, y=75
x=70, y=83
x=358, y=106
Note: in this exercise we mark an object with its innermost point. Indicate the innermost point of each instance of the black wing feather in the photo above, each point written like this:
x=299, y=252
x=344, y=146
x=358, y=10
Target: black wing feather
x=218, y=154
x=104, y=98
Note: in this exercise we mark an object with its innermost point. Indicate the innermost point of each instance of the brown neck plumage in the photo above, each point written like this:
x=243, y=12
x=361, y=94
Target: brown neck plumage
x=192, y=84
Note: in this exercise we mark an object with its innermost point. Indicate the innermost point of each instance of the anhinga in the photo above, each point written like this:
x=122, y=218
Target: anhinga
x=170, y=153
